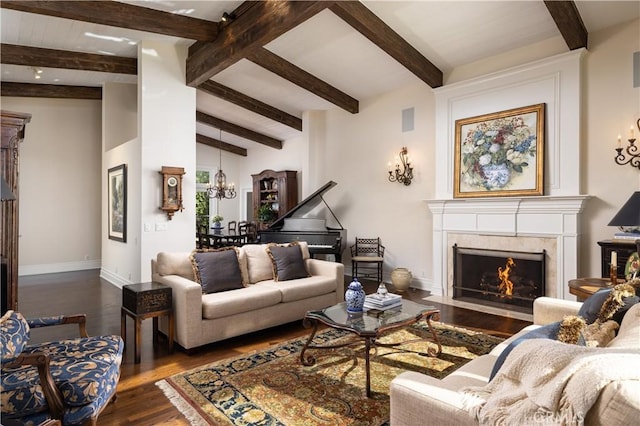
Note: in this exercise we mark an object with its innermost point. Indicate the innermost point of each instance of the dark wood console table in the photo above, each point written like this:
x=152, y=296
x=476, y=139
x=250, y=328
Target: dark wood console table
x=624, y=249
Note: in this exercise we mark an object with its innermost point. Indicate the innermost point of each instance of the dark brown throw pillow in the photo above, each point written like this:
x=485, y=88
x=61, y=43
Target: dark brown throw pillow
x=217, y=270
x=287, y=261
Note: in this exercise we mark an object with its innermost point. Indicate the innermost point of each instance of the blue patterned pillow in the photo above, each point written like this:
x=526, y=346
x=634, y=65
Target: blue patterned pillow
x=14, y=335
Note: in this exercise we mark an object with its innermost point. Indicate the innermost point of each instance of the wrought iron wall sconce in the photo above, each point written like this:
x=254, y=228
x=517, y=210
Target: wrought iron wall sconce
x=631, y=154
x=403, y=172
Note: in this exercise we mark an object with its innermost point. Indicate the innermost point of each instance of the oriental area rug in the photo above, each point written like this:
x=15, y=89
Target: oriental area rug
x=271, y=387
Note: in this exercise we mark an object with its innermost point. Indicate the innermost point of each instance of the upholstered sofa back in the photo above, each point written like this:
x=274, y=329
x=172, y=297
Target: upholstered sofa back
x=255, y=263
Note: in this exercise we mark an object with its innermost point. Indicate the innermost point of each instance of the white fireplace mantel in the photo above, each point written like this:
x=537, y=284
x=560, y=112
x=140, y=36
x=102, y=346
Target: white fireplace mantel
x=547, y=216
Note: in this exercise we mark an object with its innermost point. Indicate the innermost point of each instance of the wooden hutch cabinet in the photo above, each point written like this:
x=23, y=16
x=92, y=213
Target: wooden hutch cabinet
x=13, y=124
x=276, y=189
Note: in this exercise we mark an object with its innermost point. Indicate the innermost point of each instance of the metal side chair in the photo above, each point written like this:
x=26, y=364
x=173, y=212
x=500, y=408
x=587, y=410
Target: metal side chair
x=367, y=258
x=71, y=380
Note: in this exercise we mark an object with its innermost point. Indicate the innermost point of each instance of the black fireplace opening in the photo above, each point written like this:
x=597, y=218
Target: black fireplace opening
x=498, y=278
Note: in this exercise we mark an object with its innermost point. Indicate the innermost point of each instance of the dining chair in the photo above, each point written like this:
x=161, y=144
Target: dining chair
x=232, y=226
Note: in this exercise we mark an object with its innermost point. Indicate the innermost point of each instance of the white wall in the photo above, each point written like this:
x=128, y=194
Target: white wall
x=60, y=178
x=357, y=152
x=610, y=105
x=167, y=132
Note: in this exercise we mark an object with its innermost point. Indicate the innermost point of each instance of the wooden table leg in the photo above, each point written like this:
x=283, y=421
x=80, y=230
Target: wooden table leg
x=137, y=340
x=367, y=349
x=155, y=332
x=171, y=332
x=123, y=327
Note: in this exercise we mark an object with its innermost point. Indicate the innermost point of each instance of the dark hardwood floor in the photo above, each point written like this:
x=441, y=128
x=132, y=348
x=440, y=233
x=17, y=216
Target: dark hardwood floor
x=139, y=401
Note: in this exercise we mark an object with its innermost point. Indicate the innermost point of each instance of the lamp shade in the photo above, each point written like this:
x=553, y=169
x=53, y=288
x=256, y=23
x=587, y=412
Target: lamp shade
x=629, y=214
x=5, y=191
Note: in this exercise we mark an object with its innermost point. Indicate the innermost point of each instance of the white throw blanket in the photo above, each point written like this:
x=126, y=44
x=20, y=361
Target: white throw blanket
x=547, y=382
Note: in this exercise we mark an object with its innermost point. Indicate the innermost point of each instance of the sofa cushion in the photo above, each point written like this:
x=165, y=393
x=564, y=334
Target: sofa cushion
x=549, y=331
x=287, y=262
x=590, y=308
x=14, y=335
x=629, y=331
x=220, y=305
x=474, y=373
x=175, y=264
x=84, y=369
x=302, y=288
x=258, y=263
x=217, y=270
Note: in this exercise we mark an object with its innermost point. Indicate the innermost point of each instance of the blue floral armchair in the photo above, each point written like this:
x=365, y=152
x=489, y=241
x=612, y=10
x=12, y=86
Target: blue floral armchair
x=69, y=380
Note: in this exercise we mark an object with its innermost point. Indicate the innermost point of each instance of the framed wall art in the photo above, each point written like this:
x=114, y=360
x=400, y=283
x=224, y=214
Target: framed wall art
x=117, y=201
x=500, y=154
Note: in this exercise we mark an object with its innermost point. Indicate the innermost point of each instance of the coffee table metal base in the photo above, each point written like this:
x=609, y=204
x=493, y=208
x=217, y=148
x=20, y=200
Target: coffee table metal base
x=369, y=340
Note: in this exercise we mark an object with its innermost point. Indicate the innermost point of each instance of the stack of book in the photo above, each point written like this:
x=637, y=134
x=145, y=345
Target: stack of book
x=631, y=236
x=382, y=303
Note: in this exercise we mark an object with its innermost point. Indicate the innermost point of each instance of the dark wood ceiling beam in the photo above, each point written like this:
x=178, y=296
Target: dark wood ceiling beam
x=121, y=15
x=28, y=90
x=369, y=25
x=285, y=69
x=251, y=104
x=225, y=126
x=569, y=22
x=260, y=23
x=215, y=143
x=52, y=58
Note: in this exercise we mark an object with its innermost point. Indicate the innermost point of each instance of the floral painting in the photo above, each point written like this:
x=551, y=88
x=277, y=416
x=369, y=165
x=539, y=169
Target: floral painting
x=500, y=154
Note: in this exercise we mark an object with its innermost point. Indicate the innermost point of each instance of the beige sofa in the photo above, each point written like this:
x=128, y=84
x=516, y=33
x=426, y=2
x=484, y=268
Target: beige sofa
x=206, y=318
x=418, y=399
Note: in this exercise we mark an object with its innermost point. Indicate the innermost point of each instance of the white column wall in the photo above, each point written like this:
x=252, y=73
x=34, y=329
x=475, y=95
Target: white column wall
x=167, y=135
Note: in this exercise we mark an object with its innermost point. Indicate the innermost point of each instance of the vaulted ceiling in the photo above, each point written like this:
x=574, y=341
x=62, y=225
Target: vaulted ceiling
x=256, y=74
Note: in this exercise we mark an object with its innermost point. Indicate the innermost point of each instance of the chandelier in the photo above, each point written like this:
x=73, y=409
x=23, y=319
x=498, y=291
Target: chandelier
x=220, y=189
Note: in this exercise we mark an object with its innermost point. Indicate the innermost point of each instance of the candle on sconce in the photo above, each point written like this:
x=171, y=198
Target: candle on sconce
x=614, y=259
x=631, y=132
x=619, y=141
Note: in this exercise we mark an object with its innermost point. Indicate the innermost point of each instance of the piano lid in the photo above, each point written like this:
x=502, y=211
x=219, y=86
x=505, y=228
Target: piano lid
x=307, y=205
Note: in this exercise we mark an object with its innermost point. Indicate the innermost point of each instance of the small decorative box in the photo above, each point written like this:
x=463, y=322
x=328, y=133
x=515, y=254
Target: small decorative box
x=146, y=297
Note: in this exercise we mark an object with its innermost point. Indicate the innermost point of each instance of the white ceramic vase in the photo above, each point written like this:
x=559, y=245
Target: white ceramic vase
x=401, y=279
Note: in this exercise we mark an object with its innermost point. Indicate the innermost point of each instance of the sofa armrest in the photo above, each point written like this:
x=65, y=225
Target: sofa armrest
x=187, y=305
x=416, y=397
x=547, y=309
x=334, y=270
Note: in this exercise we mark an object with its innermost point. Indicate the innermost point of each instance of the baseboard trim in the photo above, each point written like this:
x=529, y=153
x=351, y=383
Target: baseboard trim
x=53, y=268
x=112, y=278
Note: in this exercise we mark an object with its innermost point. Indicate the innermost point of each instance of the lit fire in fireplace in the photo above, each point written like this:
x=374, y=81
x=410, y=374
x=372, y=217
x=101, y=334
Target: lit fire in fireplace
x=506, y=285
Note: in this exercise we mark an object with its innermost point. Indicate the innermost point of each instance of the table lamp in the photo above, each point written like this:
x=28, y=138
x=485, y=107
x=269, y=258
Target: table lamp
x=628, y=217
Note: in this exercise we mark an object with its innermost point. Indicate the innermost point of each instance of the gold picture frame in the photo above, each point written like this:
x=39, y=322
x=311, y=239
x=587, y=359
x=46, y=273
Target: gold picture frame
x=500, y=154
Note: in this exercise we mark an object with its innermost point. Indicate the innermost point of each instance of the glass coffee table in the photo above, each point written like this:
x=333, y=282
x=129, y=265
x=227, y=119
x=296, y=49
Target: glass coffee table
x=369, y=328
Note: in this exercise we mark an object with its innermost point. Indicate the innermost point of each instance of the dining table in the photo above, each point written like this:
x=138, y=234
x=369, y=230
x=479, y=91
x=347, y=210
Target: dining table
x=224, y=237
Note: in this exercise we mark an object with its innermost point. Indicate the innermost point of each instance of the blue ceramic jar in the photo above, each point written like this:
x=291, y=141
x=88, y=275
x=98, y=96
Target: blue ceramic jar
x=354, y=296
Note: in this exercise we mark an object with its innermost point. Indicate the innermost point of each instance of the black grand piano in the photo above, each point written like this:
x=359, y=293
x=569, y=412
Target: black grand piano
x=295, y=226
